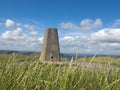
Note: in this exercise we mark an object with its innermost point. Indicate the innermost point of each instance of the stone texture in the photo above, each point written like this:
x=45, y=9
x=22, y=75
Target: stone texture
x=50, y=49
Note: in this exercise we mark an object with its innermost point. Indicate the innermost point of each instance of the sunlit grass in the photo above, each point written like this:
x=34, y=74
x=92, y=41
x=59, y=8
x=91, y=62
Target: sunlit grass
x=106, y=60
x=19, y=72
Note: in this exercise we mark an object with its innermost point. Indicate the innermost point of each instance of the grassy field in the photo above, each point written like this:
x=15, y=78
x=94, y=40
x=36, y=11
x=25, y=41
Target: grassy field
x=20, y=72
x=103, y=60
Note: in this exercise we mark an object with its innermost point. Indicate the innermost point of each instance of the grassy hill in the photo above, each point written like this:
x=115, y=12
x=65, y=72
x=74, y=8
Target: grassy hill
x=21, y=72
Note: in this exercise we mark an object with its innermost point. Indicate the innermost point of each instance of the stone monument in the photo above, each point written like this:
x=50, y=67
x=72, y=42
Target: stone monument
x=50, y=49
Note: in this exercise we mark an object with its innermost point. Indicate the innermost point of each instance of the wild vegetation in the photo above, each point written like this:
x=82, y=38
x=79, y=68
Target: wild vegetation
x=20, y=72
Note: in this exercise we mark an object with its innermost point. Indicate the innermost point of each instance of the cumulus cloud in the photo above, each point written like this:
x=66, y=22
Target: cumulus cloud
x=116, y=24
x=86, y=24
x=33, y=33
x=71, y=43
x=69, y=25
x=13, y=35
x=19, y=40
x=107, y=35
x=40, y=39
x=105, y=41
x=19, y=36
x=29, y=27
x=89, y=24
x=9, y=23
x=25, y=37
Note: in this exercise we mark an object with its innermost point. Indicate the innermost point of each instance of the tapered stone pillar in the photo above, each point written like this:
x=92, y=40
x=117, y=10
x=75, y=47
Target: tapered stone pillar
x=50, y=49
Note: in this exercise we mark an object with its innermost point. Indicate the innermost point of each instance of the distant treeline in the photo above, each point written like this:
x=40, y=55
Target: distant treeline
x=19, y=52
x=64, y=55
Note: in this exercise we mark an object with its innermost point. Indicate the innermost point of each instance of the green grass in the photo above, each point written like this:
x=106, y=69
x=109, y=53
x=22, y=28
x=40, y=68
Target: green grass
x=104, y=60
x=19, y=72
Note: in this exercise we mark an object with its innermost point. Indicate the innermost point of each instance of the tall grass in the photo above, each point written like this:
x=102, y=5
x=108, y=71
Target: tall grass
x=31, y=74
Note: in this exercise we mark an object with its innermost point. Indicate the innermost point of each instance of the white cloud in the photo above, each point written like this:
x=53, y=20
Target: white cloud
x=86, y=24
x=18, y=24
x=18, y=40
x=105, y=41
x=107, y=35
x=89, y=24
x=69, y=26
x=13, y=35
x=68, y=38
x=19, y=36
x=29, y=27
x=9, y=23
x=71, y=43
x=25, y=37
x=40, y=40
x=116, y=24
x=33, y=33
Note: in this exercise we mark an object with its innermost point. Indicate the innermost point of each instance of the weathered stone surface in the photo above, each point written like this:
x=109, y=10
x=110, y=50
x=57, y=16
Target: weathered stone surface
x=51, y=50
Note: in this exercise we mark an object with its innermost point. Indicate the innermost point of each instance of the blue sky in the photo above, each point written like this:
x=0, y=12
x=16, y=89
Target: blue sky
x=92, y=26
